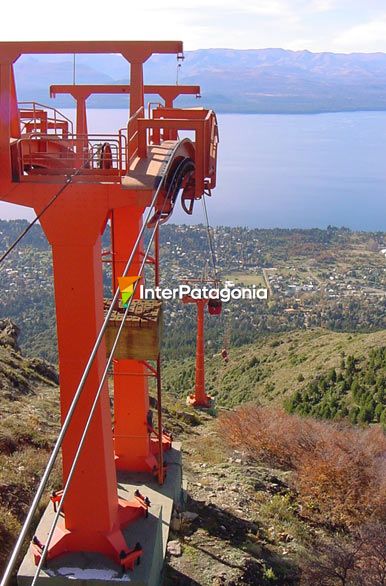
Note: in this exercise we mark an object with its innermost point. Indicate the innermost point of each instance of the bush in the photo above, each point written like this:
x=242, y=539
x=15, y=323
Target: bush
x=356, y=561
x=338, y=470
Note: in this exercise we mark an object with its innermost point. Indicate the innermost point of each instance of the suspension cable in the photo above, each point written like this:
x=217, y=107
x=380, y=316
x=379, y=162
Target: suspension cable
x=210, y=239
x=46, y=207
x=51, y=462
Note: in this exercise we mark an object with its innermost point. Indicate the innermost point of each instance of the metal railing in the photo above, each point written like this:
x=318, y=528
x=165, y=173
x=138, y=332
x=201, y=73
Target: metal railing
x=42, y=119
x=133, y=134
x=60, y=150
x=41, y=152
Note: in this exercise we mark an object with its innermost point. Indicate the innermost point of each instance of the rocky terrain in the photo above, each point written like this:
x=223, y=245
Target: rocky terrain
x=274, y=499
x=239, y=527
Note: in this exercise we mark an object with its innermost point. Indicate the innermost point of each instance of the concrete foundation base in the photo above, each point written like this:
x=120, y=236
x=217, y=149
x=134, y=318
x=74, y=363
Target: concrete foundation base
x=93, y=569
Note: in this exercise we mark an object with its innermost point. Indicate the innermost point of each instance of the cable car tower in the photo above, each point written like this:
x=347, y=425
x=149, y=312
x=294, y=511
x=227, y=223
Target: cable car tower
x=214, y=306
x=77, y=182
x=199, y=397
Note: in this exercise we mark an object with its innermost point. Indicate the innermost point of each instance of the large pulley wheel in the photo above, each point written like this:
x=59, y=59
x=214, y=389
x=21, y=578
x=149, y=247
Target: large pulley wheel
x=180, y=177
x=188, y=193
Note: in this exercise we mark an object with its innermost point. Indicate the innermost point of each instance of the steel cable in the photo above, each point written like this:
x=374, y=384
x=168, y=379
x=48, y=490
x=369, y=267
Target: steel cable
x=43, y=211
x=210, y=239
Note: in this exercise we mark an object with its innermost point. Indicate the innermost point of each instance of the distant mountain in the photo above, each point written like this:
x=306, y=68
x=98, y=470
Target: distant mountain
x=248, y=81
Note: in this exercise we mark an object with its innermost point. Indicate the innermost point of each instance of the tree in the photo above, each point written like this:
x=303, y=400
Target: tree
x=382, y=418
x=366, y=414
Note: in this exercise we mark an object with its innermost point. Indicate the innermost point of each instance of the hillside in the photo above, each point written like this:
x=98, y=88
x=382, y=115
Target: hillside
x=248, y=81
x=356, y=389
x=251, y=517
x=29, y=423
x=274, y=499
x=275, y=367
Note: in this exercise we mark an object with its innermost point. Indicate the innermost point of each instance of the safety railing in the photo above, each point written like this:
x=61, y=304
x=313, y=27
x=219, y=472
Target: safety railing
x=38, y=118
x=124, y=147
x=48, y=144
x=93, y=153
x=132, y=133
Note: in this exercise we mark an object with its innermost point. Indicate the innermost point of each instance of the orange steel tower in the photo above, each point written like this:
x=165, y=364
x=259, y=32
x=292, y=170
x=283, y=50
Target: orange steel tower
x=199, y=398
x=133, y=447
x=83, y=181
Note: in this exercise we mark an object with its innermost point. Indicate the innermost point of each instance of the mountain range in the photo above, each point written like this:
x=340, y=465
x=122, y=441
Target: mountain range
x=242, y=81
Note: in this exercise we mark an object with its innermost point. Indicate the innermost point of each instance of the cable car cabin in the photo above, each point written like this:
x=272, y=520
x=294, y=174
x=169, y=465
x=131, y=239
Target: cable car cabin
x=224, y=355
x=141, y=335
x=214, y=306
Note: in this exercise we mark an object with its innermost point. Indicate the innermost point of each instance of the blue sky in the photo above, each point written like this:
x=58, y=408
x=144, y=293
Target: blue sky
x=316, y=25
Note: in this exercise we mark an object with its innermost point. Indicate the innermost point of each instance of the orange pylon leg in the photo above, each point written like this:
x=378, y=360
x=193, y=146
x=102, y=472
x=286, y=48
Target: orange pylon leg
x=200, y=398
x=131, y=408
x=131, y=394
x=93, y=513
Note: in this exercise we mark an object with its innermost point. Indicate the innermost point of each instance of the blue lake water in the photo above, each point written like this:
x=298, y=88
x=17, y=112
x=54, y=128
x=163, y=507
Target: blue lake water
x=290, y=170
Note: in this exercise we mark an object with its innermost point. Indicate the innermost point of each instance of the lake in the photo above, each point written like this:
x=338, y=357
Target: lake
x=289, y=170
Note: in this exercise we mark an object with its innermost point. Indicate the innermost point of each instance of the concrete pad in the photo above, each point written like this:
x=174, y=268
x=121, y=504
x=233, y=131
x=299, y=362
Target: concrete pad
x=92, y=569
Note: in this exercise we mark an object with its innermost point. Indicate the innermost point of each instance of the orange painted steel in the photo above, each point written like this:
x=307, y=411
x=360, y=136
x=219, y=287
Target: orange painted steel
x=76, y=247
x=39, y=154
x=81, y=93
x=199, y=398
x=167, y=92
x=131, y=395
x=135, y=447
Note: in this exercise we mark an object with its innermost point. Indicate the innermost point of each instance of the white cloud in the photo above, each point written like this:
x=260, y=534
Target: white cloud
x=147, y=20
x=322, y=5
x=369, y=36
x=296, y=24
x=301, y=44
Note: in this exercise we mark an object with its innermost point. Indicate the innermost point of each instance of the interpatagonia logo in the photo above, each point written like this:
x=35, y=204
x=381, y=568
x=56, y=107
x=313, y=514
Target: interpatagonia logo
x=226, y=293
x=126, y=287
